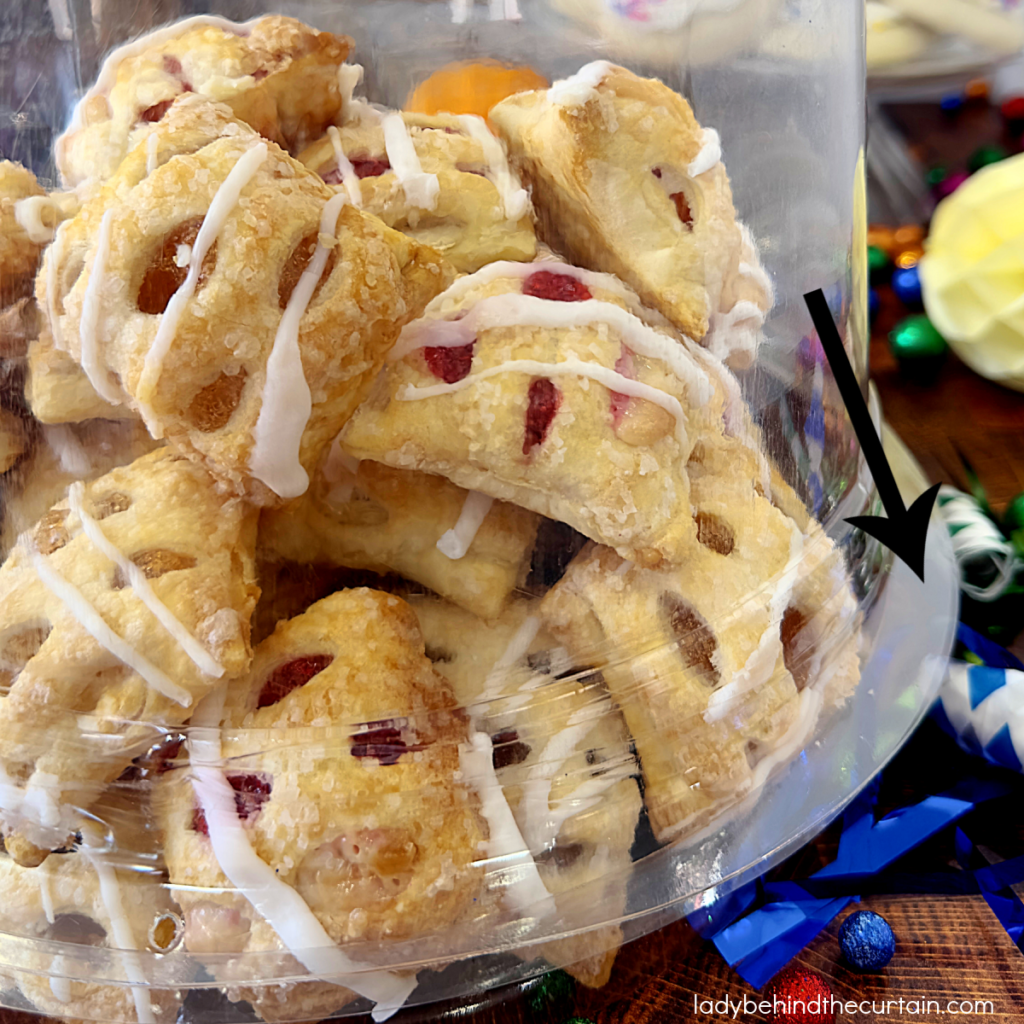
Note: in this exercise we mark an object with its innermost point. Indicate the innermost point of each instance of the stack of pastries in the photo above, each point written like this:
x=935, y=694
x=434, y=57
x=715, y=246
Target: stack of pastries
x=386, y=537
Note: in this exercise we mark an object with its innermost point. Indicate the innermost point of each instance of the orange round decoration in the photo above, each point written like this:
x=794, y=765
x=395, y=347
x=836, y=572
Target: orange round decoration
x=471, y=87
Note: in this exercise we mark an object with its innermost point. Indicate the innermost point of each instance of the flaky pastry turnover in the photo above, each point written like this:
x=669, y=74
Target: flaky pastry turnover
x=276, y=74
x=19, y=254
x=234, y=300
x=626, y=181
x=464, y=546
x=84, y=899
x=722, y=663
x=555, y=389
x=122, y=608
x=443, y=180
x=561, y=755
x=342, y=750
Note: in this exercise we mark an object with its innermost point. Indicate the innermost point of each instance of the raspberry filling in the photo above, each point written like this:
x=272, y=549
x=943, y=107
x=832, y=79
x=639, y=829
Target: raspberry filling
x=382, y=740
x=508, y=749
x=683, y=210
x=619, y=402
x=155, y=112
x=369, y=166
x=450, y=363
x=544, y=399
x=556, y=287
x=290, y=676
x=252, y=790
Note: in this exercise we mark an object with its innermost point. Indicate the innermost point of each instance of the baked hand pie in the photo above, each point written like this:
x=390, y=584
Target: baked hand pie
x=58, y=390
x=626, y=181
x=212, y=279
x=713, y=661
x=276, y=74
x=84, y=897
x=562, y=758
x=19, y=254
x=343, y=746
x=555, y=389
x=464, y=546
x=122, y=608
x=61, y=455
x=443, y=180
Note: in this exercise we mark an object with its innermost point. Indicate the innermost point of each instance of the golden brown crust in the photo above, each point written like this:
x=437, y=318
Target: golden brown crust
x=722, y=663
x=207, y=392
x=62, y=902
x=276, y=74
x=605, y=167
x=74, y=714
x=611, y=466
x=469, y=224
x=385, y=519
x=58, y=391
x=374, y=834
x=19, y=255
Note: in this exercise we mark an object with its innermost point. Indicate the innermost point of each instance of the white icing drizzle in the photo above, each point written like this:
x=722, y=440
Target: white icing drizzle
x=45, y=895
x=516, y=310
x=754, y=271
x=28, y=212
x=92, y=622
x=73, y=456
x=516, y=649
x=276, y=901
x=224, y=201
x=581, y=87
x=89, y=323
x=151, y=155
x=53, y=259
x=60, y=987
x=761, y=662
x=108, y=72
x=339, y=470
x=121, y=928
x=518, y=873
x=710, y=154
x=35, y=808
x=353, y=108
x=454, y=543
x=202, y=658
x=349, y=178
x=736, y=330
x=514, y=199
x=287, y=402
x=421, y=190
x=570, y=367
x=507, y=268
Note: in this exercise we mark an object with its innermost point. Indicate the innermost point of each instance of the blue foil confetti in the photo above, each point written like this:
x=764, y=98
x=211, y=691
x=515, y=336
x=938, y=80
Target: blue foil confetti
x=792, y=914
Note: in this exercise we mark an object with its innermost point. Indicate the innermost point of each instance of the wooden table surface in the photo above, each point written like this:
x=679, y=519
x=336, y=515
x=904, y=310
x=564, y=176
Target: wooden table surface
x=948, y=947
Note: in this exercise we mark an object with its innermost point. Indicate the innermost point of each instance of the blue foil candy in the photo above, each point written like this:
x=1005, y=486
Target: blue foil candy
x=867, y=941
x=906, y=285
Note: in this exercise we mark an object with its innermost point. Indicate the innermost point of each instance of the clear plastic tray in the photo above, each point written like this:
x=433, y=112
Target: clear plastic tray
x=396, y=799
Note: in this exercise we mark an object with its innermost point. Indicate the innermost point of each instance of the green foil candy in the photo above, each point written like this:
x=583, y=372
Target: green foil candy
x=916, y=338
x=878, y=263
x=991, y=153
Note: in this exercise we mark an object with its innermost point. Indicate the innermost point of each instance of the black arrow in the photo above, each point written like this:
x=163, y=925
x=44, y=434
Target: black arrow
x=906, y=530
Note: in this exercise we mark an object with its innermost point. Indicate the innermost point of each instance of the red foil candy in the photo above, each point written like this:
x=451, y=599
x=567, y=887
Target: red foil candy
x=800, y=996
